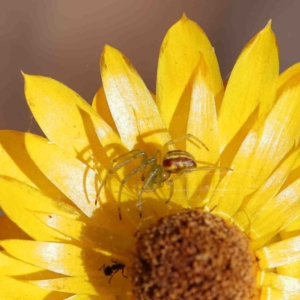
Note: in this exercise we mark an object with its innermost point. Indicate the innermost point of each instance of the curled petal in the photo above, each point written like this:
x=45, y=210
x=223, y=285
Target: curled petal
x=252, y=84
x=203, y=124
x=69, y=121
x=26, y=200
x=131, y=104
x=100, y=105
x=258, y=223
x=262, y=150
x=179, y=55
x=75, y=179
x=16, y=163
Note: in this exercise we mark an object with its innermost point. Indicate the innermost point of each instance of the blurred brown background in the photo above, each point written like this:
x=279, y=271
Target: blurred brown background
x=63, y=39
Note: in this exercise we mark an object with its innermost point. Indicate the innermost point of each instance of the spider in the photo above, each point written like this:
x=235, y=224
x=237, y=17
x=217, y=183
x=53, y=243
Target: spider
x=175, y=163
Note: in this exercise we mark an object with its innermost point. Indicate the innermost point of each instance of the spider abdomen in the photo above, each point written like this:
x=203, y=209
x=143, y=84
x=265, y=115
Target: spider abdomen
x=176, y=160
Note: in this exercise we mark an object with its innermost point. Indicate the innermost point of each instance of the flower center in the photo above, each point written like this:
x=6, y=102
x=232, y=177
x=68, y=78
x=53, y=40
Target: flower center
x=193, y=255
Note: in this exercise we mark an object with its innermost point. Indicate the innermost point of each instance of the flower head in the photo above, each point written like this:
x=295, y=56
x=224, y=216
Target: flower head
x=89, y=200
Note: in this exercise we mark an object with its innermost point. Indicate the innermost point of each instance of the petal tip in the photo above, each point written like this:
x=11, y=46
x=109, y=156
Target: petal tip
x=25, y=76
x=108, y=48
x=184, y=17
x=29, y=79
x=269, y=25
x=267, y=30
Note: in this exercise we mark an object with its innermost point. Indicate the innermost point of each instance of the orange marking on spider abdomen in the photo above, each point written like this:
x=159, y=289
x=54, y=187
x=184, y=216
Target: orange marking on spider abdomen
x=177, y=160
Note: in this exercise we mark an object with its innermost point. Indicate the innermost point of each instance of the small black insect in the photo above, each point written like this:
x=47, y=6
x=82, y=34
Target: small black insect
x=113, y=269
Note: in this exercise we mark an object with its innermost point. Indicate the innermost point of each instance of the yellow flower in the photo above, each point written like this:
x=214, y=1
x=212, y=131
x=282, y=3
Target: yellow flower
x=69, y=230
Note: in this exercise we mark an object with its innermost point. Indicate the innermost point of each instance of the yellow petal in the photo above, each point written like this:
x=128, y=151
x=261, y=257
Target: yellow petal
x=14, y=289
x=280, y=282
x=12, y=231
x=179, y=55
x=291, y=230
x=291, y=269
x=278, y=212
x=16, y=163
x=69, y=121
x=10, y=266
x=100, y=105
x=88, y=297
x=252, y=84
x=88, y=235
x=202, y=123
x=86, y=285
x=25, y=201
x=287, y=74
x=249, y=216
x=268, y=293
x=279, y=254
x=263, y=241
x=61, y=258
x=262, y=150
x=75, y=179
x=130, y=103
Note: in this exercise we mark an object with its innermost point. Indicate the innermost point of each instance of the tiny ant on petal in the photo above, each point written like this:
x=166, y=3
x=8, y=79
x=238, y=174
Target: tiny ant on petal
x=113, y=269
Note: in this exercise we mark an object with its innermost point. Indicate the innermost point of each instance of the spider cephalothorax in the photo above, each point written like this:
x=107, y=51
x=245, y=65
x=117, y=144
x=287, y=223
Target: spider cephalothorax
x=154, y=173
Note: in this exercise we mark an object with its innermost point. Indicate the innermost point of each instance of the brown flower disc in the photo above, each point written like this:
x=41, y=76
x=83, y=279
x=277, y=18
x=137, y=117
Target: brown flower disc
x=193, y=255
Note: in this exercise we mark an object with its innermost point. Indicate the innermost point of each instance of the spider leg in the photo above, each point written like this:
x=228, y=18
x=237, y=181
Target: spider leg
x=193, y=169
x=132, y=155
x=171, y=184
x=185, y=137
x=148, y=181
x=139, y=169
x=157, y=154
